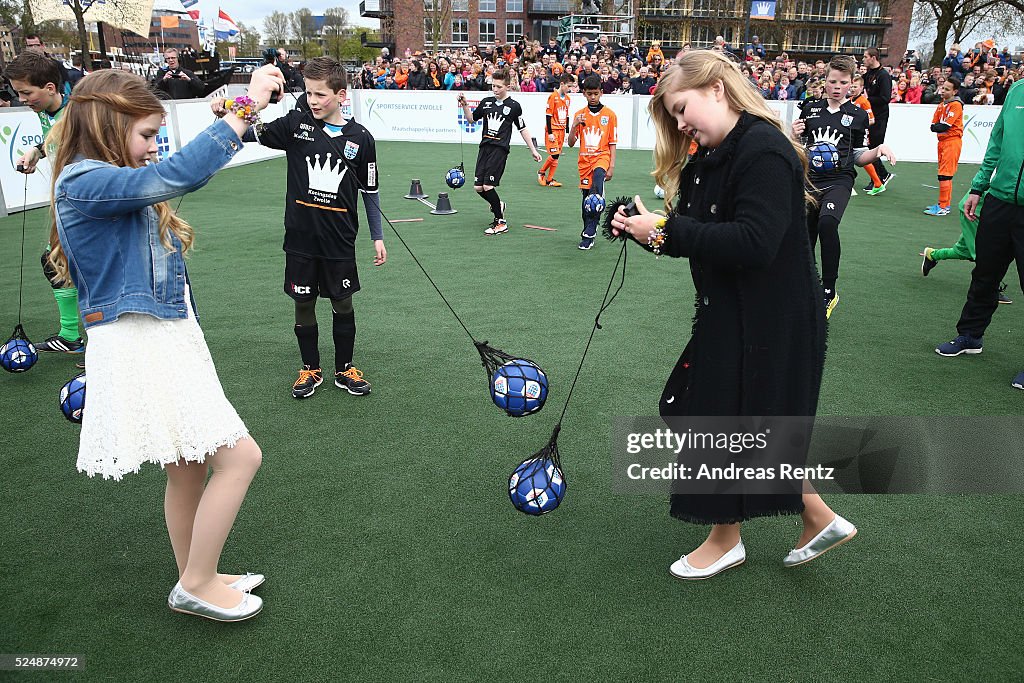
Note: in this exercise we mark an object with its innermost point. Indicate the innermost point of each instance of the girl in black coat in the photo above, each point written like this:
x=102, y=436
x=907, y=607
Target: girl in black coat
x=758, y=344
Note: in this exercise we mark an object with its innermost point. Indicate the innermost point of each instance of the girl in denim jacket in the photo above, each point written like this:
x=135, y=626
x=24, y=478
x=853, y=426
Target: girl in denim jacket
x=154, y=395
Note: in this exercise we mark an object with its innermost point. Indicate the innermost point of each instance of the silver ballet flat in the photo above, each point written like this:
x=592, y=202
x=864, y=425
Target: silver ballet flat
x=182, y=601
x=248, y=582
x=681, y=569
x=838, y=531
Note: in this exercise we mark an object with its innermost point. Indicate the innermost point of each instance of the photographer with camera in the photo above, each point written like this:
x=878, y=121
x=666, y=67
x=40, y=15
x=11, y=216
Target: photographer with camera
x=293, y=81
x=176, y=82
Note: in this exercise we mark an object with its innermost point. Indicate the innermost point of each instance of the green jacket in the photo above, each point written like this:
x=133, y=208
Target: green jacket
x=1002, y=170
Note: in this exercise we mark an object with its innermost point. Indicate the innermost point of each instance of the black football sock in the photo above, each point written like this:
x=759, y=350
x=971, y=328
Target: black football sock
x=344, y=339
x=828, y=234
x=309, y=348
x=491, y=197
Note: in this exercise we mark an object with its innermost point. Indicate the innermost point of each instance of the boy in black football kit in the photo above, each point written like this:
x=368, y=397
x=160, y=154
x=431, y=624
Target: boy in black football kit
x=833, y=130
x=501, y=112
x=330, y=161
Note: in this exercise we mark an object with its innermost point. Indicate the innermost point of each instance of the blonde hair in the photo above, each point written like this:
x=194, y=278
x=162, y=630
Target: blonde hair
x=695, y=70
x=97, y=124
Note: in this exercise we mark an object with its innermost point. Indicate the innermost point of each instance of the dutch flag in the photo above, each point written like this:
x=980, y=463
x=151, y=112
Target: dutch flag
x=224, y=26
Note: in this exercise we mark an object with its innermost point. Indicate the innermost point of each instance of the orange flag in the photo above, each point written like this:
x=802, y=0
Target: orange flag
x=168, y=22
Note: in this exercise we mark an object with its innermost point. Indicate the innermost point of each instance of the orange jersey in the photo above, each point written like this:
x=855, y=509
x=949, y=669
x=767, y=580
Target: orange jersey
x=952, y=114
x=863, y=103
x=558, y=110
x=598, y=132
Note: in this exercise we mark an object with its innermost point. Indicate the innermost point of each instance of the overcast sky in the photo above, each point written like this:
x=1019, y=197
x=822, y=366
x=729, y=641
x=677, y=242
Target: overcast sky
x=251, y=12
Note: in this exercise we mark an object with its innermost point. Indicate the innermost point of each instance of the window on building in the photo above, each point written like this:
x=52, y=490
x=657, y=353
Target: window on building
x=488, y=6
x=816, y=10
x=859, y=40
x=428, y=31
x=460, y=5
x=513, y=30
x=667, y=33
x=863, y=11
x=460, y=31
x=513, y=5
x=702, y=8
x=812, y=39
x=702, y=36
x=488, y=31
x=545, y=29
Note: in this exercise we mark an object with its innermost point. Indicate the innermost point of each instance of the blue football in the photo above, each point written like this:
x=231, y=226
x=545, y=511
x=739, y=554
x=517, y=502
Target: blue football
x=536, y=486
x=455, y=178
x=18, y=355
x=593, y=204
x=519, y=387
x=72, y=398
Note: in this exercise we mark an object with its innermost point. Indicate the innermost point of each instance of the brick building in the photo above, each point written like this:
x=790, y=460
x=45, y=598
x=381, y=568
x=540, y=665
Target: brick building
x=807, y=29
x=186, y=35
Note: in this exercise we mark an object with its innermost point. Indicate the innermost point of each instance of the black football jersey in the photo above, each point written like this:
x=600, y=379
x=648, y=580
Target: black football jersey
x=831, y=137
x=498, y=119
x=326, y=173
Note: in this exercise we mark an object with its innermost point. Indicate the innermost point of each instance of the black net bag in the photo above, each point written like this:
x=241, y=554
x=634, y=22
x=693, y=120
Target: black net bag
x=537, y=484
x=18, y=354
x=518, y=385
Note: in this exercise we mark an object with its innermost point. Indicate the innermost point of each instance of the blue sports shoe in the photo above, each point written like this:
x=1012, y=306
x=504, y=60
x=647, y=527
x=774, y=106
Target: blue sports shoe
x=1018, y=381
x=962, y=344
x=937, y=210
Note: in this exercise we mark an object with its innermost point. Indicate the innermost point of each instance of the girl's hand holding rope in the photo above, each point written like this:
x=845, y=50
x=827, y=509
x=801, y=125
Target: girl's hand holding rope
x=638, y=227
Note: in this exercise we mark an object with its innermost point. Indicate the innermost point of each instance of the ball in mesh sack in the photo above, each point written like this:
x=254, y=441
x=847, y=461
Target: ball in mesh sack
x=823, y=156
x=519, y=387
x=536, y=486
x=659, y=191
x=455, y=177
x=593, y=204
x=72, y=398
x=18, y=355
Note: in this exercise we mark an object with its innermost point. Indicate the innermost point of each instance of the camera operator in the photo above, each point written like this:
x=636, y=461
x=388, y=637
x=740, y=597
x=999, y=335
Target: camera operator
x=178, y=83
x=293, y=81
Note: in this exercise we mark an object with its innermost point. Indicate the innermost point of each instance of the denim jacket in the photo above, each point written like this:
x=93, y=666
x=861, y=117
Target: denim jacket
x=111, y=235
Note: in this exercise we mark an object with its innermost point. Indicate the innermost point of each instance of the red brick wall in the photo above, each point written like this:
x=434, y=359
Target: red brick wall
x=409, y=15
x=896, y=36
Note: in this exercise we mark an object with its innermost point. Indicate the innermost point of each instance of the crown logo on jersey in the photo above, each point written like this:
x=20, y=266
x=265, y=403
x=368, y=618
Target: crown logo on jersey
x=828, y=135
x=325, y=177
x=592, y=137
x=494, y=123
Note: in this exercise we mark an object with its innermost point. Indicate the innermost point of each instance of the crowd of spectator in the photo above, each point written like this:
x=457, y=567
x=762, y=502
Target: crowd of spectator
x=985, y=73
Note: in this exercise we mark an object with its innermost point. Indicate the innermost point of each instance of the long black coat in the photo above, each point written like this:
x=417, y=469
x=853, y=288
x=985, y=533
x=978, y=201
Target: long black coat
x=758, y=345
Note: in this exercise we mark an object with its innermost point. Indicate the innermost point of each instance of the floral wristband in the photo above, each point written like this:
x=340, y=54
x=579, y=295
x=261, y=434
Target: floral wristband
x=656, y=238
x=244, y=107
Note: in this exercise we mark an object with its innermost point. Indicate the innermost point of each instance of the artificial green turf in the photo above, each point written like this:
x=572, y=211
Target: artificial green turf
x=390, y=546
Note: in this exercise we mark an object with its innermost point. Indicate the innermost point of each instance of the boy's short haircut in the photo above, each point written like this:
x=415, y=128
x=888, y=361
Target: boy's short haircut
x=591, y=82
x=873, y=52
x=955, y=81
x=329, y=70
x=857, y=78
x=566, y=77
x=35, y=69
x=500, y=75
x=844, y=64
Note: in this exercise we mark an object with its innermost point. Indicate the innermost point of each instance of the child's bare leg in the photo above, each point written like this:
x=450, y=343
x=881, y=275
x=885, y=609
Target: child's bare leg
x=816, y=515
x=185, y=483
x=722, y=539
x=233, y=470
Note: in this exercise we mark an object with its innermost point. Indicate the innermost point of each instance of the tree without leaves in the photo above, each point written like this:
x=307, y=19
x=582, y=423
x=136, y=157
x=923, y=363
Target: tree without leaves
x=962, y=17
x=276, y=28
x=438, y=15
x=303, y=30
x=80, y=8
x=335, y=29
x=248, y=41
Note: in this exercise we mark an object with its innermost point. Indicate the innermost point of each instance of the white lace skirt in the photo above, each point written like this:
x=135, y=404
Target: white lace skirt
x=152, y=395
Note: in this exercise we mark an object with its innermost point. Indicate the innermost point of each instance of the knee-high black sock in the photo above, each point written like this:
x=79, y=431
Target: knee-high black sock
x=308, y=336
x=491, y=197
x=344, y=339
x=828, y=233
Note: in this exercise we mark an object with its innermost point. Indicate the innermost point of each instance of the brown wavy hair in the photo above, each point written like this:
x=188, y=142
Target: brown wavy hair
x=97, y=124
x=695, y=70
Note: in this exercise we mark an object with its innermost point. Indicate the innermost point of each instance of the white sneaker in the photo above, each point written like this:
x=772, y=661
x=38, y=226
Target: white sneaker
x=681, y=569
